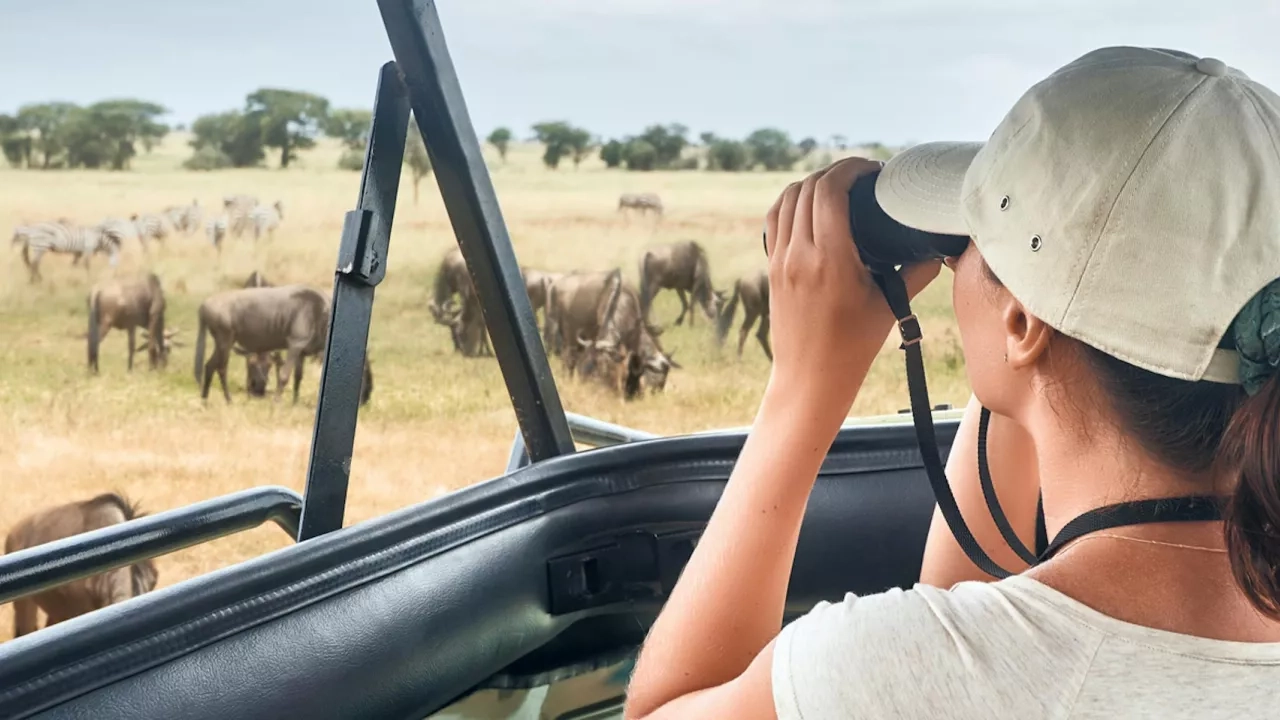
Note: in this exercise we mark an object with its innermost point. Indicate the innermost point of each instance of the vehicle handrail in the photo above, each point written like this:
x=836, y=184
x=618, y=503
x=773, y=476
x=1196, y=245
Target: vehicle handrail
x=39, y=568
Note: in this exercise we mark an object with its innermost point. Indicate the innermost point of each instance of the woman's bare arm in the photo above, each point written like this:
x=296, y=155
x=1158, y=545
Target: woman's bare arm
x=1012, y=459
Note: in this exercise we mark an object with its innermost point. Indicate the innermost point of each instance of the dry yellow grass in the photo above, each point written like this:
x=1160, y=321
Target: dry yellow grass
x=437, y=421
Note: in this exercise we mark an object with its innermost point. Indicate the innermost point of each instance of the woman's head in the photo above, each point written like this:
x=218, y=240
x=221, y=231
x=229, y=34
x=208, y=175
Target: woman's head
x=1125, y=219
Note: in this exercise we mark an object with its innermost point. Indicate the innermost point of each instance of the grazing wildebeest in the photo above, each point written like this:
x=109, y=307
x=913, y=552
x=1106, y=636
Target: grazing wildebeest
x=77, y=597
x=256, y=322
x=754, y=292
x=593, y=319
x=65, y=237
x=625, y=354
x=129, y=305
x=644, y=202
x=293, y=318
x=683, y=267
x=464, y=318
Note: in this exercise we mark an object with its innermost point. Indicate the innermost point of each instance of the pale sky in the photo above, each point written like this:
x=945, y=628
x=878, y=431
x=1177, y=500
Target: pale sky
x=893, y=70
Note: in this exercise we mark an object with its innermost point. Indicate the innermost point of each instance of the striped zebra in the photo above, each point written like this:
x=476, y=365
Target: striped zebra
x=186, y=219
x=237, y=209
x=266, y=219
x=150, y=227
x=66, y=238
x=216, y=230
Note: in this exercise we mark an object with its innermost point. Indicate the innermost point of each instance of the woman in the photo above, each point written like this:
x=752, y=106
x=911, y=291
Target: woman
x=1120, y=315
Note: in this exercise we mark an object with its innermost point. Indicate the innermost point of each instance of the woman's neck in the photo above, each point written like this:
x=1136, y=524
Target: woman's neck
x=1088, y=465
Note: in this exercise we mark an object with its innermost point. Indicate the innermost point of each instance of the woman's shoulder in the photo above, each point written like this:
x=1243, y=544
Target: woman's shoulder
x=985, y=649
x=1013, y=648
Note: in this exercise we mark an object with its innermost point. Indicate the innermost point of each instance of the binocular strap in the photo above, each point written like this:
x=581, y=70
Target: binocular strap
x=1178, y=509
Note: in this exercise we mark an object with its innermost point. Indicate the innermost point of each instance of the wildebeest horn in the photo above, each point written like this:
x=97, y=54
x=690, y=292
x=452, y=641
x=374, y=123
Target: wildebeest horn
x=583, y=341
x=671, y=358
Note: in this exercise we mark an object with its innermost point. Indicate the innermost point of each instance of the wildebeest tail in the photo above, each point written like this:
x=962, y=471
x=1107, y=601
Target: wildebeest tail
x=200, y=348
x=645, y=285
x=615, y=283
x=725, y=321
x=94, y=332
x=128, y=508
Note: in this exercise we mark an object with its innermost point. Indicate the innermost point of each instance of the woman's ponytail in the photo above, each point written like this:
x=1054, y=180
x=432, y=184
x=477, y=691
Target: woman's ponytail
x=1251, y=446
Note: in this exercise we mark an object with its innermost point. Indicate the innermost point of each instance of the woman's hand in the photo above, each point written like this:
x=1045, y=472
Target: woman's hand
x=828, y=317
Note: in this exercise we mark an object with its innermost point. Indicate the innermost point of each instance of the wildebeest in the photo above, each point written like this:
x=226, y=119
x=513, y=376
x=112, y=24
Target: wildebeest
x=66, y=237
x=683, y=267
x=259, y=321
x=464, y=318
x=754, y=293
x=87, y=594
x=256, y=279
x=537, y=283
x=644, y=202
x=594, y=321
x=258, y=366
x=128, y=305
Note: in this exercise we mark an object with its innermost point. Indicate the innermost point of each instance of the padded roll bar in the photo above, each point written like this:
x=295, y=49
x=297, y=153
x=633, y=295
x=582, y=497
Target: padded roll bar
x=38, y=568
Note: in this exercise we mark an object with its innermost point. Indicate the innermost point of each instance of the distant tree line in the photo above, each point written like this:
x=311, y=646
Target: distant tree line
x=106, y=134
x=109, y=134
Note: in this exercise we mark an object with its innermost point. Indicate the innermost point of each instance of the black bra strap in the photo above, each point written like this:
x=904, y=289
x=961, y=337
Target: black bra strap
x=1199, y=508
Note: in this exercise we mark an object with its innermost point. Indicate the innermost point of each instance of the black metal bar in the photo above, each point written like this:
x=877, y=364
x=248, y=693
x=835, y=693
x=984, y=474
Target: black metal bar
x=417, y=40
x=598, y=433
x=362, y=263
x=30, y=571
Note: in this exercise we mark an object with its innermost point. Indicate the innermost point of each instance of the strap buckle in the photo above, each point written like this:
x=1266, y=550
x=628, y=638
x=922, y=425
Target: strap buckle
x=909, y=328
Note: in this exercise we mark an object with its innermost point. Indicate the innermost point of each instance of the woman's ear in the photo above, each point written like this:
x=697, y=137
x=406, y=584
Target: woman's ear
x=1026, y=336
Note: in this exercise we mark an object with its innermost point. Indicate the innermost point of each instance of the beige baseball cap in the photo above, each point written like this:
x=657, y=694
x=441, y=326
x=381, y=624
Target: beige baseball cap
x=1131, y=200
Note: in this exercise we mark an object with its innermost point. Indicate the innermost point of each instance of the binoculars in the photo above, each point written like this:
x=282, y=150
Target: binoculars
x=885, y=244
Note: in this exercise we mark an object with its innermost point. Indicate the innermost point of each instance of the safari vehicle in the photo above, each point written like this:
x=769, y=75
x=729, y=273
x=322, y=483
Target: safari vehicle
x=525, y=596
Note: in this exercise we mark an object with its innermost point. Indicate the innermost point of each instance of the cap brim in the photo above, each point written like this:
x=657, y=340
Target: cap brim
x=921, y=186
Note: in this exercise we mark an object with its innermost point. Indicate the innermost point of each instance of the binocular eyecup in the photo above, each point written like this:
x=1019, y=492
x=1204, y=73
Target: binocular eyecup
x=883, y=243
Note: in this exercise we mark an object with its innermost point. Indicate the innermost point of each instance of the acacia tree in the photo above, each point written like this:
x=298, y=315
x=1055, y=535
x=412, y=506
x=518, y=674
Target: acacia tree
x=500, y=138
x=46, y=122
x=290, y=120
x=351, y=127
x=229, y=139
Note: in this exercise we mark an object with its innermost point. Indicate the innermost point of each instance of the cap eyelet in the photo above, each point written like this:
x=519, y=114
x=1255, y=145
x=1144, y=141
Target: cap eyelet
x=1004, y=203
x=1036, y=242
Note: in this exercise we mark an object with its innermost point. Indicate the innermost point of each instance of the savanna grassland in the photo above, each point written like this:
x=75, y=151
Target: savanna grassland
x=437, y=421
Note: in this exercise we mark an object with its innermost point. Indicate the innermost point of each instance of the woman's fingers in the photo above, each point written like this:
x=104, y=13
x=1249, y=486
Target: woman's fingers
x=786, y=211
x=802, y=225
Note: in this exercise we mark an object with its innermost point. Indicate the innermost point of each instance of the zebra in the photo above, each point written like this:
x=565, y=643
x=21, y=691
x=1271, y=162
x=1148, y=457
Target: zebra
x=237, y=208
x=150, y=227
x=185, y=218
x=66, y=238
x=266, y=219
x=216, y=230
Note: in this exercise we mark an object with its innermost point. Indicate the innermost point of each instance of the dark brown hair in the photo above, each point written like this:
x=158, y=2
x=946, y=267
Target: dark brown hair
x=1199, y=427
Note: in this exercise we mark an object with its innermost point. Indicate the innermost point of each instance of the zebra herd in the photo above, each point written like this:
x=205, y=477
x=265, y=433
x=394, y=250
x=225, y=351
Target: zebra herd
x=241, y=214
